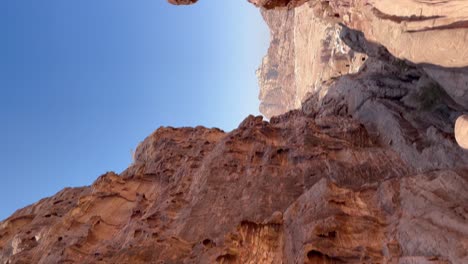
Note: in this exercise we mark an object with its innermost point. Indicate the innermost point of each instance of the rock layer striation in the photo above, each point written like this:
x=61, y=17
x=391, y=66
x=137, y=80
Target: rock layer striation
x=358, y=162
x=302, y=188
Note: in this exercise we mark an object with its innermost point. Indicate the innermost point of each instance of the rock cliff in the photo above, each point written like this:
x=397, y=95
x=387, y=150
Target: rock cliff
x=297, y=189
x=358, y=163
x=306, y=43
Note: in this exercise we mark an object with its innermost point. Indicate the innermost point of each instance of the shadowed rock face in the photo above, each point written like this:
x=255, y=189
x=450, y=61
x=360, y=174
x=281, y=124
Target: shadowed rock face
x=433, y=32
x=312, y=57
x=306, y=44
x=399, y=103
x=182, y=2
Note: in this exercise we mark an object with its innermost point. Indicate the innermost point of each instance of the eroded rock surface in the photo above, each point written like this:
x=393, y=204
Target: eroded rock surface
x=307, y=52
x=315, y=53
x=405, y=26
x=297, y=189
x=367, y=170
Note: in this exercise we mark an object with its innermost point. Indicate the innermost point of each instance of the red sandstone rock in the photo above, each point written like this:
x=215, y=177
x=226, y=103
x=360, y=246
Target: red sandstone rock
x=295, y=189
x=368, y=171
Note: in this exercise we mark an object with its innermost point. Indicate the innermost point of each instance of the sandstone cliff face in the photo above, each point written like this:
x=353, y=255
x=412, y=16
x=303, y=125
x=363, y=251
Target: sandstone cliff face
x=405, y=26
x=297, y=189
x=366, y=170
x=305, y=54
x=324, y=60
x=401, y=102
x=430, y=34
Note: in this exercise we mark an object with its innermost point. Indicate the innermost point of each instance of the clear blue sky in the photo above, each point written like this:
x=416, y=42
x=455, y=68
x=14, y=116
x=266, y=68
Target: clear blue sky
x=82, y=82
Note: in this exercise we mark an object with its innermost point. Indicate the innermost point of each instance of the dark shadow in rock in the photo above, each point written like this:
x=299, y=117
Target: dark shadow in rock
x=403, y=105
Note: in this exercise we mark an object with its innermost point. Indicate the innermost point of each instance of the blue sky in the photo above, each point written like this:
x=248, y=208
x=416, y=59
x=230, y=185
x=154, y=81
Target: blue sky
x=82, y=82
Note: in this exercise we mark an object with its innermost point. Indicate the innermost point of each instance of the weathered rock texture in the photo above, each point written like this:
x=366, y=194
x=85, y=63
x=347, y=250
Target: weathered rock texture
x=297, y=189
x=367, y=170
x=305, y=43
x=403, y=26
x=305, y=54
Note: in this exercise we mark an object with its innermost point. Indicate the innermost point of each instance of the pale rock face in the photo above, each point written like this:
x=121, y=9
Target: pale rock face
x=461, y=131
x=402, y=103
x=405, y=26
x=311, y=54
x=305, y=54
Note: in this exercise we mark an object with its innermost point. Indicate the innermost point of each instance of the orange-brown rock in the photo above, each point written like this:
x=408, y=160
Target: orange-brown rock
x=366, y=171
x=297, y=189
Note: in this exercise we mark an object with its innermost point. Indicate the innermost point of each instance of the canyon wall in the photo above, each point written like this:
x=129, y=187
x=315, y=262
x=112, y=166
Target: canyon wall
x=429, y=34
x=358, y=162
x=297, y=189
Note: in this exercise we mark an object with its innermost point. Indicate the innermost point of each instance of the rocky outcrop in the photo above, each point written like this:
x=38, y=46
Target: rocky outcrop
x=305, y=42
x=312, y=50
x=398, y=102
x=405, y=26
x=365, y=170
x=432, y=34
x=305, y=54
x=297, y=189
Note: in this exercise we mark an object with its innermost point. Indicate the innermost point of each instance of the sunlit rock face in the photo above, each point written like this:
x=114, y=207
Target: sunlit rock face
x=297, y=189
x=433, y=34
x=405, y=26
x=399, y=103
x=305, y=54
x=306, y=44
x=367, y=169
x=319, y=45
